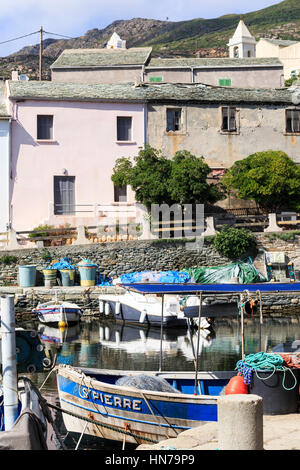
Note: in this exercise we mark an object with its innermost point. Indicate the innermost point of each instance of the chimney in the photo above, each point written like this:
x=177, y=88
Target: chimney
x=15, y=75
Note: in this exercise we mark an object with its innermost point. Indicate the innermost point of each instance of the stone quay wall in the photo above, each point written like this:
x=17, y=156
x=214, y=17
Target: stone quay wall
x=117, y=258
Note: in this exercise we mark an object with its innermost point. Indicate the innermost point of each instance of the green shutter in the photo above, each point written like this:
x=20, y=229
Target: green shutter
x=155, y=79
x=224, y=81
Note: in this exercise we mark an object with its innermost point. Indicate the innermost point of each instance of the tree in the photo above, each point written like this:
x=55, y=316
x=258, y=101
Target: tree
x=188, y=180
x=158, y=180
x=270, y=178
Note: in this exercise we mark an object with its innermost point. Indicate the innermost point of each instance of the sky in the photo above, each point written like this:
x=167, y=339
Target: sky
x=74, y=18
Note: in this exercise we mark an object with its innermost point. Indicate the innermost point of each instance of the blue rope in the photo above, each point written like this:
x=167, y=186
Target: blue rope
x=263, y=361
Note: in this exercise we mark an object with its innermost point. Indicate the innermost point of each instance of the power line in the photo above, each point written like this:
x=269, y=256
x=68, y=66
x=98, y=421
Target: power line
x=55, y=34
x=35, y=32
x=20, y=37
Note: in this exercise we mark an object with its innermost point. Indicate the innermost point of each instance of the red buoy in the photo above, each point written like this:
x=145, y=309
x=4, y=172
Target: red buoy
x=236, y=385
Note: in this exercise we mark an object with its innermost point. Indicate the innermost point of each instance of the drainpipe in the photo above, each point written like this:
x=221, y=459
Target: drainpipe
x=192, y=75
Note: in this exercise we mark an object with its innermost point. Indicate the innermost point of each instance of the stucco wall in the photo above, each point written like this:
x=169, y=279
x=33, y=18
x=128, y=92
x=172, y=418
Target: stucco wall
x=247, y=77
x=105, y=75
x=4, y=173
x=84, y=144
x=260, y=128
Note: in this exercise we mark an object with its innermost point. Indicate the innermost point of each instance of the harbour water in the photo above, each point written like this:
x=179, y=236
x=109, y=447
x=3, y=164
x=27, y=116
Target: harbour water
x=99, y=343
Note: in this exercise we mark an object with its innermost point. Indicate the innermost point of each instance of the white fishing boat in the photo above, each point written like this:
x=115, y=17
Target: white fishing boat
x=133, y=307
x=58, y=312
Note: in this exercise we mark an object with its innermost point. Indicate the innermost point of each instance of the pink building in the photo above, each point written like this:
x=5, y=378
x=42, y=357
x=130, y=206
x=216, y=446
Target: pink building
x=65, y=141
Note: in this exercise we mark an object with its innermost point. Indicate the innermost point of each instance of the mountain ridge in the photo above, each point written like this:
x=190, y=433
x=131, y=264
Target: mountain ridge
x=199, y=36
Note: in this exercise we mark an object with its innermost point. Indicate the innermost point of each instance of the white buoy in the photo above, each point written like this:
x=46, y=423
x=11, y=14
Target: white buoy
x=143, y=316
x=9, y=361
x=106, y=308
x=101, y=306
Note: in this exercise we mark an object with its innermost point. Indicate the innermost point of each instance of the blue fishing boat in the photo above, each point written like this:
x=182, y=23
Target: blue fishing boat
x=141, y=406
x=96, y=403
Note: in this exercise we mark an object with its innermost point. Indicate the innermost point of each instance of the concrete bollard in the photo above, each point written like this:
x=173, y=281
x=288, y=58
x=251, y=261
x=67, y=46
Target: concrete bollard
x=240, y=422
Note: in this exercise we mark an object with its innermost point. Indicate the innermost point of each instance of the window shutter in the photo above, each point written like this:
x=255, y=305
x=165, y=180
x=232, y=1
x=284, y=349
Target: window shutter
x=45, y=127
x=296, y=123
x=64, y=194
x=232, y=119
x=124, y=128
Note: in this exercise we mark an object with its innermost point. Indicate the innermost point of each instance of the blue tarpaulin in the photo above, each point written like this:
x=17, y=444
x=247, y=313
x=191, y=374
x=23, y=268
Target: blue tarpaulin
x=155, y=276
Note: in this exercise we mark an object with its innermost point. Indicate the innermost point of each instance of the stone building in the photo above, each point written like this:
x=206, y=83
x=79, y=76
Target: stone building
x=288, y=52
x=120, y=65
x=66, y=137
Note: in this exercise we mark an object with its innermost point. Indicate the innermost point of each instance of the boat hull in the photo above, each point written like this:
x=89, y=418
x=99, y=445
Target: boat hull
x=57, y=313
x=139, y=416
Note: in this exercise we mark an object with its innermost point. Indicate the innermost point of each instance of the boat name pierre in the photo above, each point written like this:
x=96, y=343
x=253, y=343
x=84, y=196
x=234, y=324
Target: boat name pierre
x=111, y=400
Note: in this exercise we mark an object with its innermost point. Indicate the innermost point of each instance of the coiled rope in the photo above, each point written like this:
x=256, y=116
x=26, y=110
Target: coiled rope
x=253, y=363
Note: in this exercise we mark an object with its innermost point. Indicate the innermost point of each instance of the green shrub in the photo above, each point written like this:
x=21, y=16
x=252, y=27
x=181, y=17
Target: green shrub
x=234, y=242
x=7, y=259
x=40, y=231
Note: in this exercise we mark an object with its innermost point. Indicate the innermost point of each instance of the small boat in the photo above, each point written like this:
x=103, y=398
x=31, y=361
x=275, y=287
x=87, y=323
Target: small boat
x=29, y=431
x=139, y=407
x=23, y=411
x=133, y=307
x=58, y=312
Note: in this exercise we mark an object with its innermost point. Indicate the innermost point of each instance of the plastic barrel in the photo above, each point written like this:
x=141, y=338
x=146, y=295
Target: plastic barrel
x=27, y=275
x=50, y=277
x=87, y=275
x=279, y=390
x=67, y=277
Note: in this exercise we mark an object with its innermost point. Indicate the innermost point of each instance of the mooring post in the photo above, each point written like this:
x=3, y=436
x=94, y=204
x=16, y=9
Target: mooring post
x=240, y=422
x=9, y=361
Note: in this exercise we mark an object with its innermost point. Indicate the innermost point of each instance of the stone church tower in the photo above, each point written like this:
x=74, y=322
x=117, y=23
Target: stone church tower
x=242, y=44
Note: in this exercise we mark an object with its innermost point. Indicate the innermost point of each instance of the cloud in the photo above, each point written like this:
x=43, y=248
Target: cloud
x=75, y=17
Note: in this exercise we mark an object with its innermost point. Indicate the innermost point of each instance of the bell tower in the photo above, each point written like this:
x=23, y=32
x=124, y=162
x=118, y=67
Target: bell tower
x=242, y=44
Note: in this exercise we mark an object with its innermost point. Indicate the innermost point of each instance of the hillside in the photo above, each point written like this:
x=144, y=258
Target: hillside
x=205, y=37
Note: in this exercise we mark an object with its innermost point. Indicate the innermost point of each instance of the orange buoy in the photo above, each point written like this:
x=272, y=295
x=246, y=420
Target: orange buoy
x=236, y=385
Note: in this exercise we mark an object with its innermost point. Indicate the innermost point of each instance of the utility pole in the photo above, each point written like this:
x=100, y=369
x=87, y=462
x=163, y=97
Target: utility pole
x=41, y=51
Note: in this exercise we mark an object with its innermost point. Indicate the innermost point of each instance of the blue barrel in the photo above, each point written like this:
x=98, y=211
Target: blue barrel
x=27, y=275
x=87, y=275
x=67, y=277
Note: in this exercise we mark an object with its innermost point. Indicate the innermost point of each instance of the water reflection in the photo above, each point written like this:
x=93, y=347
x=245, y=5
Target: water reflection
x=104, y=344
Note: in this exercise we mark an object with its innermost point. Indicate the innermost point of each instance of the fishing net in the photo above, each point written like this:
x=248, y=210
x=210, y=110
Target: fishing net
x=146, y=382
x=245, y=271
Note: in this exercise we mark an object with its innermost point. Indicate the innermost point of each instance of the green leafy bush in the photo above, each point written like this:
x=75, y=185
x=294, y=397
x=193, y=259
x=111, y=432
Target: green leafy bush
x=40, y=231
x=7, y=259
x=234, y=242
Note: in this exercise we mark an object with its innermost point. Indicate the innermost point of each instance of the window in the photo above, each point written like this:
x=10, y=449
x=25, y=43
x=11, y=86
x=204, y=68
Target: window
x=292, y=120
x=236, y=53
x=64, y=195
x=229, y=119
x=124, y=125
x=44, y=127
x=224, y=81
x=173, y=120
x=120, y=194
